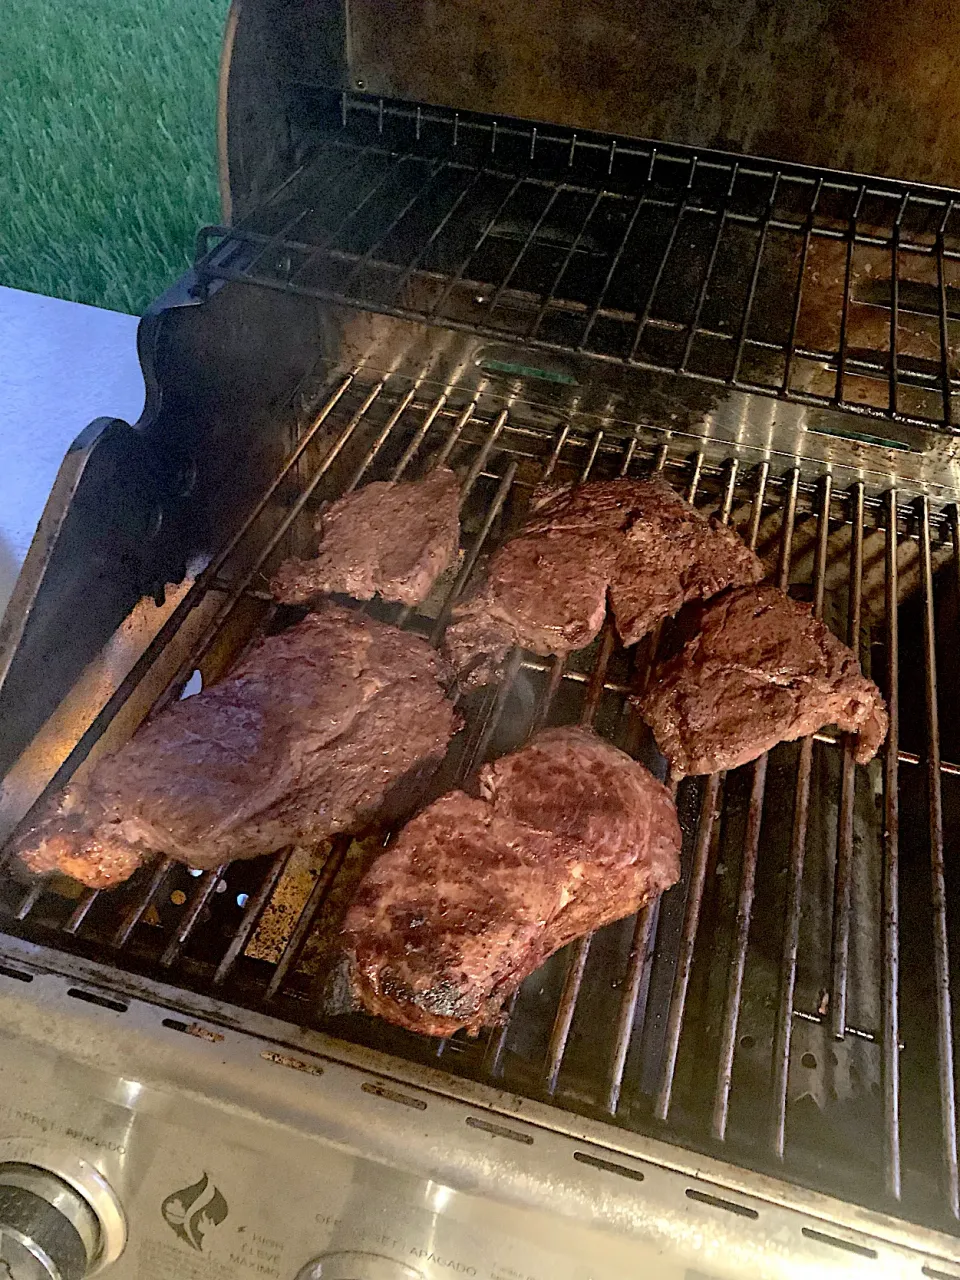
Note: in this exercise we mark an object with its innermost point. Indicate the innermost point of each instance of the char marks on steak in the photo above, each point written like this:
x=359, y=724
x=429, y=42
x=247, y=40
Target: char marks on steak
x=390, y=538
x=546, y=589
x=568, y=834
x=759, y=670
x=331, y=724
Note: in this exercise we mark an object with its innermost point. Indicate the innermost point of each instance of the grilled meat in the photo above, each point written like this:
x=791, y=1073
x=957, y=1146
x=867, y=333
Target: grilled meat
x=388, y=538
x=332, y=723
x=672, y=554
x=760, y=670
x=568, y=834
x=546, y=590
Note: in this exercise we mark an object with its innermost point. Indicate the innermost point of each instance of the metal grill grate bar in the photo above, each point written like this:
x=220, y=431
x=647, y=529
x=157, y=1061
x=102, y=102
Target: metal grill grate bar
x=251, y=917
x=81, y=911
x=798, y=292
x=895, y=310
x=948, y=1103
x=136, y=911
x=207, y=886
x=681, y=209
x=563, y=1021
x=301, y=931
x=845, y=304
x=709, y=812
x=788, y=962
x=566, y=1009
x=890, y=903
x=418, y=437
x=945, y=384
x=748, y=872
x=340, y=171
x=844, y=865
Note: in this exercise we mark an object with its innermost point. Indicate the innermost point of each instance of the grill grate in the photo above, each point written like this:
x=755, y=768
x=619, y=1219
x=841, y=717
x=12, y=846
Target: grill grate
x=820, y=288
x=760, y=1008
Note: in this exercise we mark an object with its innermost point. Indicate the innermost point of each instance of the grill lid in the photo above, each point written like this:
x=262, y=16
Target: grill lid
x=840, y=85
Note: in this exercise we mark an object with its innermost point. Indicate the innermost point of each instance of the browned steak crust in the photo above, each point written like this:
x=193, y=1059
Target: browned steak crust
x=320, y=729
x=546, y=589
x=760, y=670
x=389, y=538
x=568, y=835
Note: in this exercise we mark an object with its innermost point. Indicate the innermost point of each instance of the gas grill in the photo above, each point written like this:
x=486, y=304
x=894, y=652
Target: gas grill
x=754, y=1076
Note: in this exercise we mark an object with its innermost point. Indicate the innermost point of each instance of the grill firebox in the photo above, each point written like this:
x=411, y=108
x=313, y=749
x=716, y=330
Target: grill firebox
x=773, y=971
x=522, y=303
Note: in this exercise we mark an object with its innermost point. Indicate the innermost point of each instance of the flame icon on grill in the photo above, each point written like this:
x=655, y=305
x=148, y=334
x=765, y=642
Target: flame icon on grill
x=191, y=1211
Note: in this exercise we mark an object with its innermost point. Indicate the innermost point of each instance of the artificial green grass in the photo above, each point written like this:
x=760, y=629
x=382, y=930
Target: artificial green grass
x=107, y=144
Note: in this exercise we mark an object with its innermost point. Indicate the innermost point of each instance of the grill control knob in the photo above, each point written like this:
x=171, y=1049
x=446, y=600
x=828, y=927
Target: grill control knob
x=47, y=1229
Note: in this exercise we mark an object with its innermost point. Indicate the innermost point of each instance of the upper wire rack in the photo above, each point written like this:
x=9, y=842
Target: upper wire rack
x=816, y=287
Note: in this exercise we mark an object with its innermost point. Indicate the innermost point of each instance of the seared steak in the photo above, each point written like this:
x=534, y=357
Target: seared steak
x=672, y=554
x=569, y=834
x=760, y=670
x=332, y=723
x=388, y=538
x=546, y=590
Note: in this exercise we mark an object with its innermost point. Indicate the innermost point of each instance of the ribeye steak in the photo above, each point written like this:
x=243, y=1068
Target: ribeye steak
x=392, y=539
x=636, y=541
x=568, y=834
x=759, y=670
x=322, y=728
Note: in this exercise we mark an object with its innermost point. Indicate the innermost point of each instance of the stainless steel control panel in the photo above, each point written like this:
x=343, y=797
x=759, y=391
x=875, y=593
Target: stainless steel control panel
x=210, y=1151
